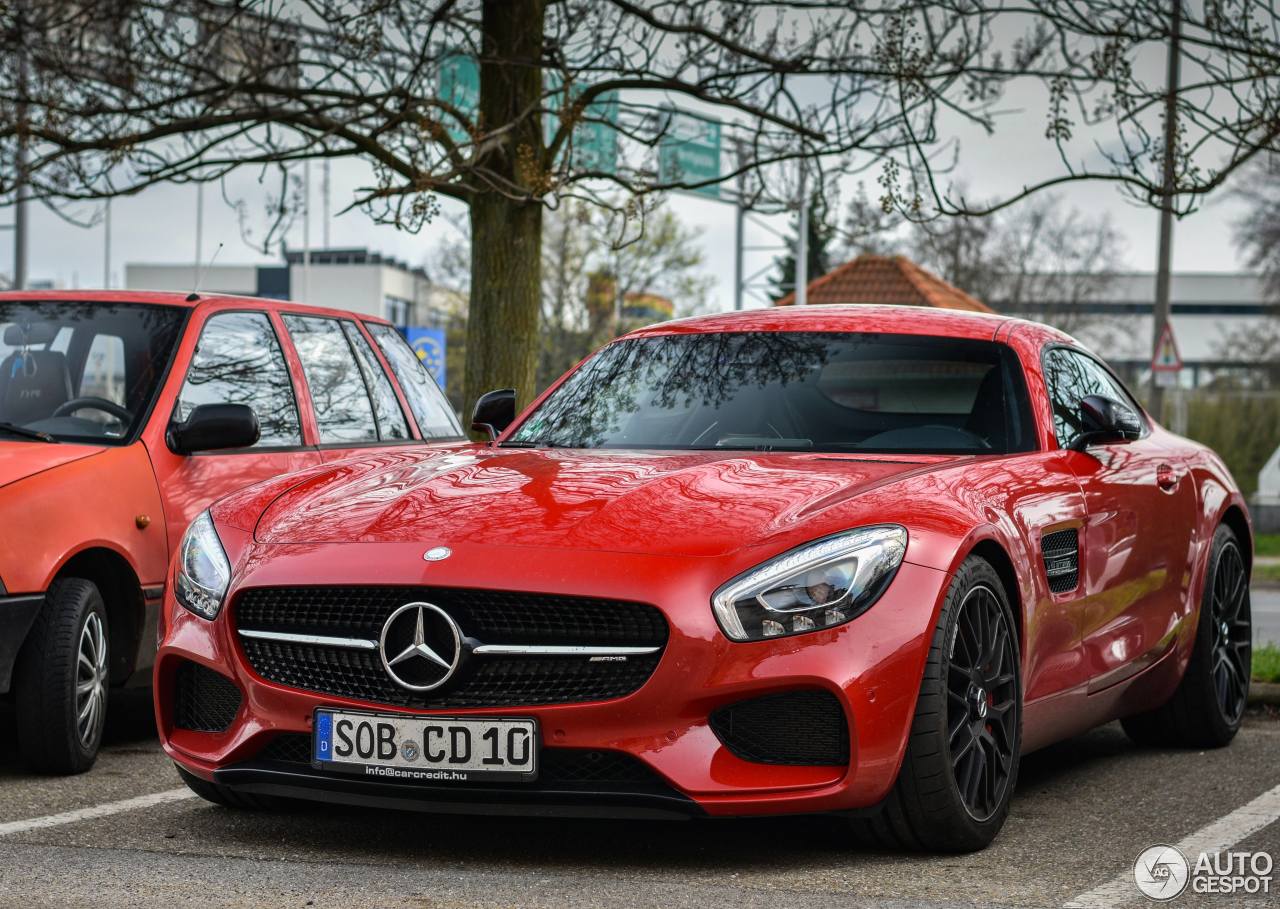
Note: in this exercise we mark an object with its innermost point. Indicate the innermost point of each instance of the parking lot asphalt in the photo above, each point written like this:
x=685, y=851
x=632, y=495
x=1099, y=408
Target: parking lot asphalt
x=1082, y=813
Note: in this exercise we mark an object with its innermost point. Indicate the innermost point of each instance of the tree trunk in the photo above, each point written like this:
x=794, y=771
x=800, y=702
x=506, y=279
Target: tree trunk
x=506, y=232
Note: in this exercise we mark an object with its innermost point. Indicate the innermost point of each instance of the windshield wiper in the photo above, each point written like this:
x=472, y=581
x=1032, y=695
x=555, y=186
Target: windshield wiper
x=15, y=429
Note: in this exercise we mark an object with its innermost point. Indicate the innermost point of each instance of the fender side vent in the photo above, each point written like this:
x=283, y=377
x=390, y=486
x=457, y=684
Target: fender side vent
x=1061, y=551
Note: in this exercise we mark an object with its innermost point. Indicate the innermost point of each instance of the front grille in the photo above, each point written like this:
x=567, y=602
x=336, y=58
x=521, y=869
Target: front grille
x=799, y=727
x=559, y=768
x=492, y=617
x=1061, y=551
x=204, y=700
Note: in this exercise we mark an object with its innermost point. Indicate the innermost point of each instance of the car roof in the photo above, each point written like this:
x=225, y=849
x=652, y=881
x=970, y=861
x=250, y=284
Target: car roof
x=858, y=317
x=175, y=298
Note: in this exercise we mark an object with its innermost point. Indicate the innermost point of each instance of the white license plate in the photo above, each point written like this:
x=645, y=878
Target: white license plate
x=429, y=749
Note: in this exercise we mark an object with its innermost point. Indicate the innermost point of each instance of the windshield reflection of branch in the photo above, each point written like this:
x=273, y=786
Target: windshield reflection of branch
x=676, y=373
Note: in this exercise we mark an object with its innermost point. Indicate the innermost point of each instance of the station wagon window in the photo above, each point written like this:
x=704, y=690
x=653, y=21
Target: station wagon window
x=238, y=360
x=104, y=370
x=82, y=371
x=344, y=413
x=391, y=421
x=1071, y=376
x=429, y=405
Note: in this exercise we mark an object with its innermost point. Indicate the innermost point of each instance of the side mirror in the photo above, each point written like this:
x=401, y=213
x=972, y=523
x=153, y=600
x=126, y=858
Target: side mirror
x=214, y=426
x=494, y=412
x=1106, y=420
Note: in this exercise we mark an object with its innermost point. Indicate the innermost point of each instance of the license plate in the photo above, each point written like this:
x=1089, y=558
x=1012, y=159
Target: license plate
x=435, y=749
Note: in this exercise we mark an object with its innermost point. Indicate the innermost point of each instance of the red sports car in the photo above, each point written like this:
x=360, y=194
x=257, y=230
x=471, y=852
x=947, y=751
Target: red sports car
x=849, y=560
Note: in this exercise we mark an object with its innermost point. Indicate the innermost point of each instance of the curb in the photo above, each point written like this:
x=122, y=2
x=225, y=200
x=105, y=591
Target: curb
x=1264, y=694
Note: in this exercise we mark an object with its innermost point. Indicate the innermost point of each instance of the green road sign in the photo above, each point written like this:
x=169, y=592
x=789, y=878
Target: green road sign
x=689, y=152
x=459, y=85
x=594, y=144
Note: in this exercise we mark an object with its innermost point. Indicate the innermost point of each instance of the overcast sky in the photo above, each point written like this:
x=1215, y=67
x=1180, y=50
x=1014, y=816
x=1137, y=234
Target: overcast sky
x=158, y=226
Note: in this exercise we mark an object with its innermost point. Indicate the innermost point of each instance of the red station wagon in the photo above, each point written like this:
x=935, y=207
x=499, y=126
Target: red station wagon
x=122, y=416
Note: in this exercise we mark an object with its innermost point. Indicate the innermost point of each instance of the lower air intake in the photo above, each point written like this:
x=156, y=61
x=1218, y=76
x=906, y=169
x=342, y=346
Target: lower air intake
x=204, y=700
x=799, y=728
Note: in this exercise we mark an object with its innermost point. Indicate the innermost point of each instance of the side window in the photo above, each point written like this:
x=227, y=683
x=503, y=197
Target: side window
x=1070, y=377
x=391, y=421
x=344, y=413
x=238, y=361
x=430, y=407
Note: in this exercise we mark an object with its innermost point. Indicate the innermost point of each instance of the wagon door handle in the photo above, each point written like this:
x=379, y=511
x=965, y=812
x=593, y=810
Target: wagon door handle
x=1166, y=477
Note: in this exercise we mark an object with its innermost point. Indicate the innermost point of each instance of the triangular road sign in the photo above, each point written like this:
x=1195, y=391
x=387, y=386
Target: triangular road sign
x=1167, y=358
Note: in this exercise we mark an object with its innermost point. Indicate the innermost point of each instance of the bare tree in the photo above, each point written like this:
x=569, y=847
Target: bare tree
x=107, y=97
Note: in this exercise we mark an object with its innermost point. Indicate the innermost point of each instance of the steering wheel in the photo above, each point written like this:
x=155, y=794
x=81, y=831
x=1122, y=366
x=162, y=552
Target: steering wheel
x=102, y=404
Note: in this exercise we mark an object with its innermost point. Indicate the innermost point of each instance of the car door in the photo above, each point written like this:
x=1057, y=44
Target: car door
x=238, y=359
x=354, y=403
x=1135, y=542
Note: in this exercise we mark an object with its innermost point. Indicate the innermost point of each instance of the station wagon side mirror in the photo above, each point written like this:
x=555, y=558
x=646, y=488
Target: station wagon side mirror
x=211, y=427
x=1104, y=420
x=494, y=412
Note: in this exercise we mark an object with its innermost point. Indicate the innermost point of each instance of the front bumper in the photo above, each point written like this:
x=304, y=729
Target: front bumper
x=872, y=666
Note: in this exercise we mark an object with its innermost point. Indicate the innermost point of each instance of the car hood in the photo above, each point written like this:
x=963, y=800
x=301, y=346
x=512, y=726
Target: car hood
x=19, y=460
x=687, y=503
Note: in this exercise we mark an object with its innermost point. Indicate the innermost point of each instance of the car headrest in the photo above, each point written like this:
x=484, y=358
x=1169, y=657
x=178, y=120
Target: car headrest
x=988, y=417
x=34, y=383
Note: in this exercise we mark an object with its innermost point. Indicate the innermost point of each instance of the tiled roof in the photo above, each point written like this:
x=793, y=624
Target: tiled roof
x=887, y=279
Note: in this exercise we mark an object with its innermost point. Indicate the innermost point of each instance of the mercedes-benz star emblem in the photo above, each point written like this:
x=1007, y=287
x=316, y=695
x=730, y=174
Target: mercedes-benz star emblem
x=420, y=646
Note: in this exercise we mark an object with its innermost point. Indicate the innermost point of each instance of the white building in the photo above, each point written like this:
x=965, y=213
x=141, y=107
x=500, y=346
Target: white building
x=1207, y=308
x=354, y=279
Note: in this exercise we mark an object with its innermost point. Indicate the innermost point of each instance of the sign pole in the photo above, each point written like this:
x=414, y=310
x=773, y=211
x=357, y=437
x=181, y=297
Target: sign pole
x=1156, y=401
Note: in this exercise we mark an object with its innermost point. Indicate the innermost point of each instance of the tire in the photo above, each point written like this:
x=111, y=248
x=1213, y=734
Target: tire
x=1207, y=707
x=927, y=809
x=229, y=798
x=62, y=698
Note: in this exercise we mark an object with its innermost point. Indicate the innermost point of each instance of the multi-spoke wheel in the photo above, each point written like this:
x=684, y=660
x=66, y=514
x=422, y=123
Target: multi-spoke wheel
x=982, y=696
x=61, y=679
x=1207, y=708
x=1232, y=633
x=953, y=791
x=91, y=678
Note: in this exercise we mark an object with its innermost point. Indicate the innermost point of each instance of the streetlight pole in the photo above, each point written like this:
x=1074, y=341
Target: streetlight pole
x=1165, y=254
x=802, y=244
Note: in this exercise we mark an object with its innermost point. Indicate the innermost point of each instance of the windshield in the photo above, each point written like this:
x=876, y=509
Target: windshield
x=84, y=372
x=799, y=391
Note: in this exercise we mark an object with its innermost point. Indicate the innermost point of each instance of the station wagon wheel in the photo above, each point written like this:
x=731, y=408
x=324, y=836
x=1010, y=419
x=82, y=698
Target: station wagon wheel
x=981, y=702
x=1232, y=633
x=62, y=678
x=91, y=679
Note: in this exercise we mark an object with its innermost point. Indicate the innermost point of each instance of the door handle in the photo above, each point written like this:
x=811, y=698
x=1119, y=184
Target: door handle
x=1166, y=477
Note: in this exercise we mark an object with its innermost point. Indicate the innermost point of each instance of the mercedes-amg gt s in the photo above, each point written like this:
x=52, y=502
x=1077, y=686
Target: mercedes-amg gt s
x=851, y=560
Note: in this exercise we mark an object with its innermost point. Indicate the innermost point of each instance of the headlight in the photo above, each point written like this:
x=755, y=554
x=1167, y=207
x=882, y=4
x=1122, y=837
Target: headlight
x=819, y=585
x=203, y=572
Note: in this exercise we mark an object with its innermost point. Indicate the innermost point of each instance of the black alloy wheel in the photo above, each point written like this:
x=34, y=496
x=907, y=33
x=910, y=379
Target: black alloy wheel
x=982, y=702
x=957, y=778
x=1232, y=634
x=1208, y=706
